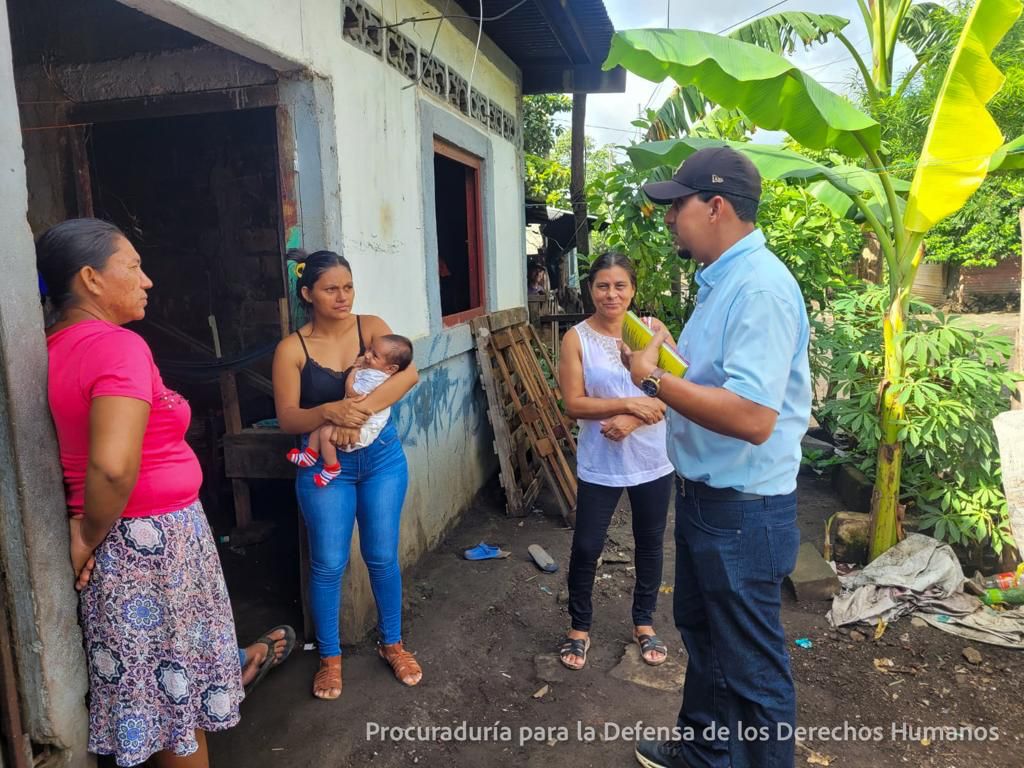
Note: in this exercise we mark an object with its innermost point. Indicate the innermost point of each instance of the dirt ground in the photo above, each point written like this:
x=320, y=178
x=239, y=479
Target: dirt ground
x=484, y=633
x=1004, y=323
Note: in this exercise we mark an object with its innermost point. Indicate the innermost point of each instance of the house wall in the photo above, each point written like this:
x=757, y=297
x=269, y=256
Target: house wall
x=375, y=121
x=362, y=135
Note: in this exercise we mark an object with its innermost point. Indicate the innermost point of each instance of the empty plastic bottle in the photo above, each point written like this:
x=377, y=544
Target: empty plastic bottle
x=1003, y=596
x=1006, y=580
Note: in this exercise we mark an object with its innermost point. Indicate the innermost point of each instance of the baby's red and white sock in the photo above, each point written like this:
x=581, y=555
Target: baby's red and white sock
x=327, y=474
x=306, y=458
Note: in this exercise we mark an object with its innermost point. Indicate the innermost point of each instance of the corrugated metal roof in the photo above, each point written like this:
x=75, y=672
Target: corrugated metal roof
x=551, y=37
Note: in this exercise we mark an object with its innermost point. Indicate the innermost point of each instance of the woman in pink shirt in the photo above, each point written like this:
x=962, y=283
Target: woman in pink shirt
x=159, y=634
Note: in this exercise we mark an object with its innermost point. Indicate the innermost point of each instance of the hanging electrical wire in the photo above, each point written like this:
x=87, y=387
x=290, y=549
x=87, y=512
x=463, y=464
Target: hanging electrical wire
x=476, y=52
x=430, y=55
x=444, y=15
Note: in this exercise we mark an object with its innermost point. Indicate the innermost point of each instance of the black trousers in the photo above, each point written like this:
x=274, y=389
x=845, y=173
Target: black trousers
x=595, y=505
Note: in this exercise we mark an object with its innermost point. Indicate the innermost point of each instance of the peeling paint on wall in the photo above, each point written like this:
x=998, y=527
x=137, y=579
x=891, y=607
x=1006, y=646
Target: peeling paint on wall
x=443, y=401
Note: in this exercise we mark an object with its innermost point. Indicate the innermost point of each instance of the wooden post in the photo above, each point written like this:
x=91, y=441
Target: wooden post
x=284, y=313
x=233, y=425
x=14, y=742
x=83, y=177
x=578, y=179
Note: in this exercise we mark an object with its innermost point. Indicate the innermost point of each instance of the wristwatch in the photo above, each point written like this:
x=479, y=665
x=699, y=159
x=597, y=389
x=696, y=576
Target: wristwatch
x=650, y=385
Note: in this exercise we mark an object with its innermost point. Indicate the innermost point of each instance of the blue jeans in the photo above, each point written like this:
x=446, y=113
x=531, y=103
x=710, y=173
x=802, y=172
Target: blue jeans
x=731, y=558
x=370, y=489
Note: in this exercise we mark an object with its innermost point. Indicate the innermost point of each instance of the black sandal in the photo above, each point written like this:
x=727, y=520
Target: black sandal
x=270, y=660
x=574, y=646
x=650, y=643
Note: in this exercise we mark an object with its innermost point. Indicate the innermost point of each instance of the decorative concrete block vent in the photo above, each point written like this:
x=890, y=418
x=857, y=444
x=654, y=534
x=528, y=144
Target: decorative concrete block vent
x=480, y=108
x=362, y=26
x=434, y=75
x=458, y=91
x=495, y=118
x=509, y=127
x=402, y=53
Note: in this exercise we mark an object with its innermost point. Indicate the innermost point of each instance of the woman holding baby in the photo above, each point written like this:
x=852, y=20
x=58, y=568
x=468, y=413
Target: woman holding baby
x=312, y=372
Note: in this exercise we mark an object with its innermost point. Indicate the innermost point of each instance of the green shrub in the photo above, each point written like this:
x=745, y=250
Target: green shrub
x=816, y=245
x=956, y=381
x=637, y=228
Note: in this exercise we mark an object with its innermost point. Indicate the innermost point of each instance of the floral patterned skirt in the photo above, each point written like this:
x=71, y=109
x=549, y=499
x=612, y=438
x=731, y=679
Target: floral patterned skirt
x=159, y=637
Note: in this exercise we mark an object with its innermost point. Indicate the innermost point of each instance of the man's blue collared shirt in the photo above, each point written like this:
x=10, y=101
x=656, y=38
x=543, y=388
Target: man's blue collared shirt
x=749, y=335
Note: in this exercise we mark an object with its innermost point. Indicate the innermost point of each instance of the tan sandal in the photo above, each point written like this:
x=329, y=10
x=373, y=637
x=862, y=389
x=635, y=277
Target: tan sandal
x=402, y=662
x=328, y=678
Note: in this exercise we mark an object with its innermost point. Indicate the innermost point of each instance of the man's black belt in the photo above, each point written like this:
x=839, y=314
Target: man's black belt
x=704, y=491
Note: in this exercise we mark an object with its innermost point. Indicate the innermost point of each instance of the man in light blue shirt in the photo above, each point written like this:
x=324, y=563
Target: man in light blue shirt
x=735, y=423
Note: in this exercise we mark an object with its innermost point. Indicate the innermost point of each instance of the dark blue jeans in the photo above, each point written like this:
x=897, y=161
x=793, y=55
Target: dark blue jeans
x=371, y=490
x=731, y=558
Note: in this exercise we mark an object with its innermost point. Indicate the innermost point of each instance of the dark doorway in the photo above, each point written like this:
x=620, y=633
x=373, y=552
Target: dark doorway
x=198, y=197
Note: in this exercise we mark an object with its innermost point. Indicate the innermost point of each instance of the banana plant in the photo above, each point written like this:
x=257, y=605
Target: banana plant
x=685, y=110
x=963, y=143
x=922, y=27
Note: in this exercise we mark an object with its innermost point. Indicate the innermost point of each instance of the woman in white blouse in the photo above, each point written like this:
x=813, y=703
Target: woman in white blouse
x=621, y=446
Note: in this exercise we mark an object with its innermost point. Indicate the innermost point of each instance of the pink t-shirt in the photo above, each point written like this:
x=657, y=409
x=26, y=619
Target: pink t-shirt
x=94, y=358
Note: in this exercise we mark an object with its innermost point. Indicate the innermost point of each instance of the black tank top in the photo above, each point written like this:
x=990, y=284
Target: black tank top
x=318, y=384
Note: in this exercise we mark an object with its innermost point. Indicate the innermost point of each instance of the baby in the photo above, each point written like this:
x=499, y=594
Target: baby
x=386, y=356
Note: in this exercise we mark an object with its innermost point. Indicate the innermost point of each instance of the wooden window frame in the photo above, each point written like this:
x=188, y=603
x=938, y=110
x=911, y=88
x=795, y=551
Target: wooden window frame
x=475, y=230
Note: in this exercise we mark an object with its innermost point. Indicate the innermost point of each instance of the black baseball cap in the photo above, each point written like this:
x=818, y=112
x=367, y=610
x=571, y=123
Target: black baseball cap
x=721, y=170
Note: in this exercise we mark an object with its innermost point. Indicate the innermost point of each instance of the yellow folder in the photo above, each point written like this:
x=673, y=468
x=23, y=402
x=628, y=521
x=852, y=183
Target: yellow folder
x=637, y=336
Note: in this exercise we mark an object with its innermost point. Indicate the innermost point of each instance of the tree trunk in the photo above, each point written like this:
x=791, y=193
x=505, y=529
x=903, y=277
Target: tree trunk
x=578, y=170
x=886, y=527
x=886, y=495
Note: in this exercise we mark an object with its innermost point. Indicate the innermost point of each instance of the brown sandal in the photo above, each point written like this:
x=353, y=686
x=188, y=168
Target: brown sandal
x=328, y=677
x=402, y=662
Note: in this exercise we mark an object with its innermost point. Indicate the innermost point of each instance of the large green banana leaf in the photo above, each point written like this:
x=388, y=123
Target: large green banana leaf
x=962, y=136
x=1009, y=157
x=836, y=201
x=777, y=32
x=766, y=87
x=835, y=186
x=774, y=162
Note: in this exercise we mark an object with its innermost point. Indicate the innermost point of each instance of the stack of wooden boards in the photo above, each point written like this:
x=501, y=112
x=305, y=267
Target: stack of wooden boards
x=532, y=437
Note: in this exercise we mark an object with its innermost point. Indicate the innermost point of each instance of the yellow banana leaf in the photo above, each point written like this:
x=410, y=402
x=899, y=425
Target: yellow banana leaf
x=962, y=136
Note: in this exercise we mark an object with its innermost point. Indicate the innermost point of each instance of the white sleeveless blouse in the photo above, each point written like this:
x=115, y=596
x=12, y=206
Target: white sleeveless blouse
x=642, y=456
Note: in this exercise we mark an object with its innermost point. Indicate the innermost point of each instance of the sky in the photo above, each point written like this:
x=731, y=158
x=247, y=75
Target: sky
x=609, y=115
